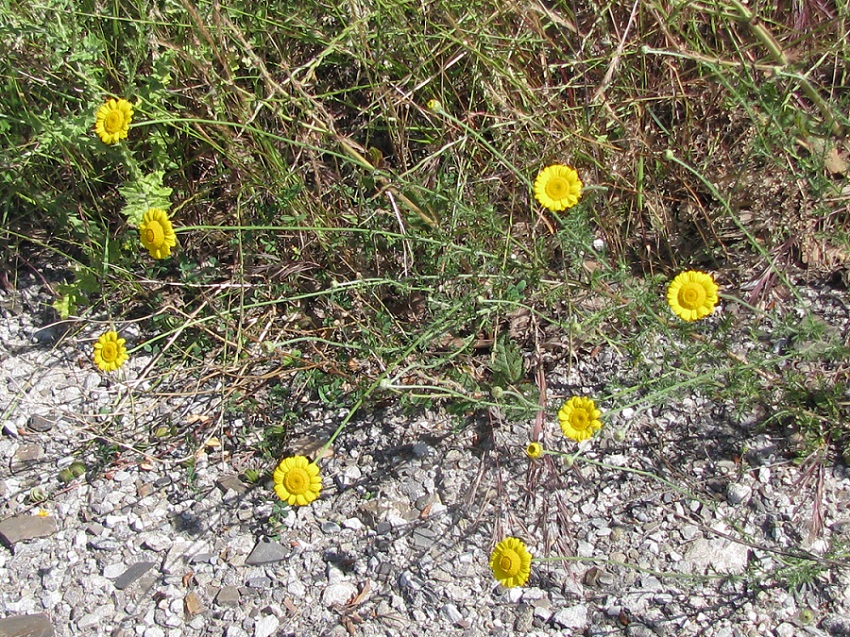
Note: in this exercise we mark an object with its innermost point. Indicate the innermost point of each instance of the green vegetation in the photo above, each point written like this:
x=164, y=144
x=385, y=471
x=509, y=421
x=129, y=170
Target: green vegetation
x=339, y=239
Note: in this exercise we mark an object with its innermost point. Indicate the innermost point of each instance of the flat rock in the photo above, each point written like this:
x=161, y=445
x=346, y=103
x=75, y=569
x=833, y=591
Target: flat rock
x=27, y=455
x=836, y=626
x=192, y=604
x=266, y=552
x=573, y=617
x=737, y=493
x=26, y=626
x=265, y=626
x=21, y=528
x=719, y=554
x=132, y=574
x=231, y=483
x=423, y=538
x=228, y=596
x=338, y=594
x=40, y=423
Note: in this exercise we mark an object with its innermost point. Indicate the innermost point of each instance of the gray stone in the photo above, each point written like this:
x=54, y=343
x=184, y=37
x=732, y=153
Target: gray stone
x=266, y=552
x=737, y=493
x=27, y=455
x=836, y=625
x=231, y=483
x=339, y=594
x=265, y=626
x=637, y=629
x=227, y=596
x=89, y=620
x=423, y=538
x=259, y=582
x=40, y=423
x=112, y=571
x=409, y=580
x=132, y=574
x=92, y=381
x=689, y=531
x=722, y=555
x=330, y=528
x=573, y=617
x=353, y=524
x=26, y=626
x=542, y=609
x=422, y=450
x=21, y=528
x=158, y=542
x=105, y=544
x=786, y=630
x=525, y=619
x=451, y=613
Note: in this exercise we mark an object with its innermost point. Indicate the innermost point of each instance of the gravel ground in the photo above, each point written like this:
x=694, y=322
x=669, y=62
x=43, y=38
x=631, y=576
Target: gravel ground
x=684, y=539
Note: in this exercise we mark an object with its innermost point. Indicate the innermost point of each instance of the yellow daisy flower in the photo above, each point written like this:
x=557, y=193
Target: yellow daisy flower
x=109, y=352
x=579, y=418
x=297, y=481
x=156, y=232
x=511, y=562
x=692, y=295
x=558, y=187
x=113, y=121
x=534, y=450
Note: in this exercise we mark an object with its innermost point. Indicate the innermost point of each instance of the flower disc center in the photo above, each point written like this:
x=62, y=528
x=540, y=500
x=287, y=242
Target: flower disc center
x=154, y=234
x=691, y=296
x=557, y=188
x=509, y=562
x=109, y=352
x=113, y=122
x=579, y=419
x=296, y=481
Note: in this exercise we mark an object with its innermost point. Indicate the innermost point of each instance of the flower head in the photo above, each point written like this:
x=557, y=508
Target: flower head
x=579, y=418
x=434, y=105
x=156, y=233
x=109, y=352
x=511, y=562
x=558, y=187
x=692, y=295
x=297, y=481
x=534, y=450
x=113, y=120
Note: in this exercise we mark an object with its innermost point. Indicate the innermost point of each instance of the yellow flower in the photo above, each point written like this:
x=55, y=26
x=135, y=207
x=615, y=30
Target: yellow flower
x=434, y=105
x=109, y=352
x=558, y=187
x=156, y=232
x=113, y=121
x=297, y=481
x=579, y=418
x=692, y=295
x=534, y=450
x=511, y=562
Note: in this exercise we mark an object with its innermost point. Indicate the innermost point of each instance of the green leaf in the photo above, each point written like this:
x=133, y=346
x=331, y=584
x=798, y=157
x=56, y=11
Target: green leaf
x=507, y=361
x=144, y=193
